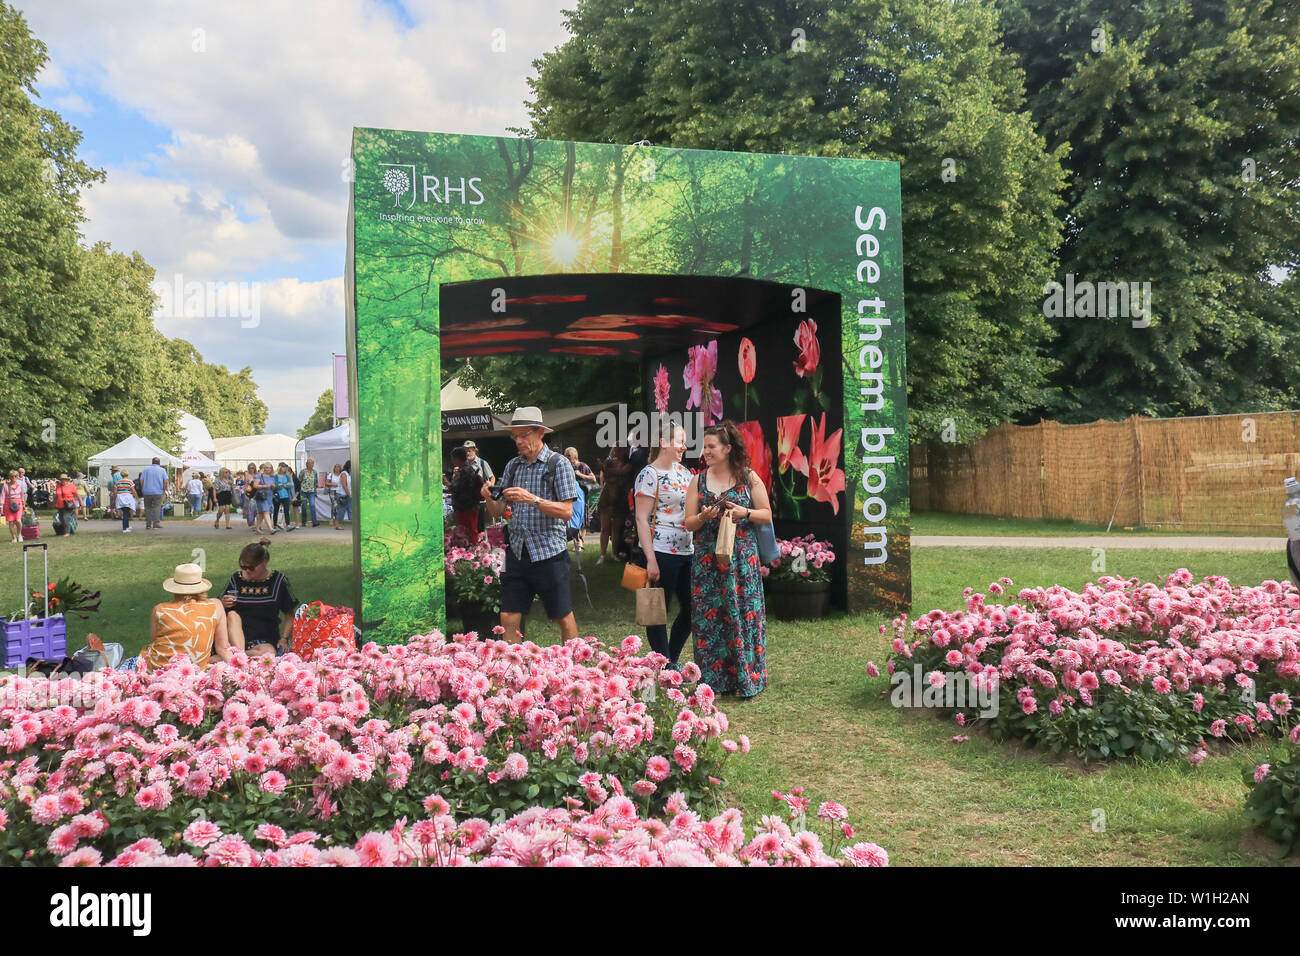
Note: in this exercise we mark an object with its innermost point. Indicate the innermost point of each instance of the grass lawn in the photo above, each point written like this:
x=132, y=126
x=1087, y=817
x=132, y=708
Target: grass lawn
x=824, y=724
x=937, y=523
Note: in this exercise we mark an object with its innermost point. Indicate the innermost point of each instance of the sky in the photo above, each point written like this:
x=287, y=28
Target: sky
x=224, y=129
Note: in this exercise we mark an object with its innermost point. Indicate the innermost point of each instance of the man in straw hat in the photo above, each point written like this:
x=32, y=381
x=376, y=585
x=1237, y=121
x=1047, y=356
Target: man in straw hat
x=539, y=485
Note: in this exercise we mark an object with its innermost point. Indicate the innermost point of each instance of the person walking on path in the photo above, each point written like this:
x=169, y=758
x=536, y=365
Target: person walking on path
x=613, y=501
x=195, y=493
x=124, y=498
x=284, y=495
x=250, y=495
x=223, y=490
x=661, y=490
x=343, y=496
x=539, y=485
x=307, y=481
x=65, y=503
x=263, y=490
x=83, y=496
x=727, y=605
x=153, y=485
x=13, y=502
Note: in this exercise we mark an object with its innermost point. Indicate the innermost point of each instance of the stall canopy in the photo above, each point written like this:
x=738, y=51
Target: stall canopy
x=236, y=453
x=195, y=436
x=193, y=461
x=327, y=449
x=132, y=453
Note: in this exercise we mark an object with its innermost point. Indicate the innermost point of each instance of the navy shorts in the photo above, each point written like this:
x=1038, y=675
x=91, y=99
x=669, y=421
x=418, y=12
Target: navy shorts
x=547, y=579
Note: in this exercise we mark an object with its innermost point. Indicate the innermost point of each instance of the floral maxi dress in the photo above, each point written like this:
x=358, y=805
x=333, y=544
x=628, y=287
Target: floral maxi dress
x=728, y=613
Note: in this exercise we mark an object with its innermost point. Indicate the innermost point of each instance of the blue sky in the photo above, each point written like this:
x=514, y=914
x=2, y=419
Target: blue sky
x=224, y=128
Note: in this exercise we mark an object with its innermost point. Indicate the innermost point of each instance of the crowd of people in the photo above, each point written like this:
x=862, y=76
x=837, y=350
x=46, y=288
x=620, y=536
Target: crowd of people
x=270, y=498
x=674, y=514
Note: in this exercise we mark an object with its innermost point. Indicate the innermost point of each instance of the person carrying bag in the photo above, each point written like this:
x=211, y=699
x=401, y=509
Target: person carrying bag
x=661, y=489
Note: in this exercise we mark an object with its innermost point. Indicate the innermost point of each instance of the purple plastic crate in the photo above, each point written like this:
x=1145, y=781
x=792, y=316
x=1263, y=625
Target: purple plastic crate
x=44, y=637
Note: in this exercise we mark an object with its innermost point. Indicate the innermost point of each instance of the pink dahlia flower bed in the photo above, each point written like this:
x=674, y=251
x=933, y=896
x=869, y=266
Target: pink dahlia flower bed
x=1124, y=668
x=502, y=753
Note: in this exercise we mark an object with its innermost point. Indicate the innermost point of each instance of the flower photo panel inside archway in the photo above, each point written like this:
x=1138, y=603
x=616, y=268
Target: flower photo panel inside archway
x=762, y=288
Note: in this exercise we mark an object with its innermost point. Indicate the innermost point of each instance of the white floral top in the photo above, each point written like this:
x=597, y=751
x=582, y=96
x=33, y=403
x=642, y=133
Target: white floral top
x=670, y=534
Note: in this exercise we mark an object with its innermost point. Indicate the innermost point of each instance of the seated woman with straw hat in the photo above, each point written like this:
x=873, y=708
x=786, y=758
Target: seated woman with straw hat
x=191, y=625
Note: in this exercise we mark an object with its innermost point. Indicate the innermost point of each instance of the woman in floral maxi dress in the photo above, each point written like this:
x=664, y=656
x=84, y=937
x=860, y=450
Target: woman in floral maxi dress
x=728, y=613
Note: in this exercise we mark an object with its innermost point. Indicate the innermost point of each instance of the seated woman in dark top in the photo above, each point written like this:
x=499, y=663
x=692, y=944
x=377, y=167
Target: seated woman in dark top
x=254, y=599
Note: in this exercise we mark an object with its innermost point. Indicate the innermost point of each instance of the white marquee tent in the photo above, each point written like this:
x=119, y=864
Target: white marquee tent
x=327, y=449
x=195, y=436
x=236, y=453
x=132, y=453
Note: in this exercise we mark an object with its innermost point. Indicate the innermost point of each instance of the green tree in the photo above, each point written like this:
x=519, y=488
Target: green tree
x=322, y=419
x=83, y=364
x=1182, y=119
x=916, y=81
x=226, y=401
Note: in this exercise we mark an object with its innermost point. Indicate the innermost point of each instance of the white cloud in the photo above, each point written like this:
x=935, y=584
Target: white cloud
x=260, y=100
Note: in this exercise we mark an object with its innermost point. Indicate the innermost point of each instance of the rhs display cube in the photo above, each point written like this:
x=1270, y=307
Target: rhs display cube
x=45, y=637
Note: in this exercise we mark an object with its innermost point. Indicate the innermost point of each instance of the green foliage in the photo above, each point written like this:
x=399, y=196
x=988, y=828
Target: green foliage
x=1182, y=132
x=71, y=387
x=322, y=418
x=1273, y=804
x=717, y=75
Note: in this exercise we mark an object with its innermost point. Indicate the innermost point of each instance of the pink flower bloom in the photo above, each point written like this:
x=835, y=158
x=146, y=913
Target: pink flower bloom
x=866, y=854
x=657, y=768
x=1261, y=772
x=376, y=849
x=662, y=389
x=830, y=812
x=201, y=832
x=872, y=670
x=805, y=337
x=86, y=856
x=516, y=766
x=747, y=359
x=684, y=756
x=788, y=454
x=701, y=368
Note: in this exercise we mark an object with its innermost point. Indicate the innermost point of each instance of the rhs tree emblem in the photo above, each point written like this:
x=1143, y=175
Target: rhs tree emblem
x=396, y=182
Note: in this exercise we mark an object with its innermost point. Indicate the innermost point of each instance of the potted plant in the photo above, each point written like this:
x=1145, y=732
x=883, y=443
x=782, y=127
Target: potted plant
x=474, y=584
x=798, y=584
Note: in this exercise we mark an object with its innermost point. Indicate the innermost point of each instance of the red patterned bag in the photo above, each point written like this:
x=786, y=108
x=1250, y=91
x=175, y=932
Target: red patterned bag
x=318, y=626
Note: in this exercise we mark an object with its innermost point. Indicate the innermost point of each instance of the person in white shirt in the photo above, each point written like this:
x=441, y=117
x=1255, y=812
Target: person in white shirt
x=195, y=491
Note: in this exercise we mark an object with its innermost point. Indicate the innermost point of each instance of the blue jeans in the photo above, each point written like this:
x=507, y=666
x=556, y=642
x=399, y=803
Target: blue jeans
x=674, y=578
x=308, y=501
x=195, y=504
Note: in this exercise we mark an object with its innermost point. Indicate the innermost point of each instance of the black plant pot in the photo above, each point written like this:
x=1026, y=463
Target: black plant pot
x=790, y=601
x=483, y=620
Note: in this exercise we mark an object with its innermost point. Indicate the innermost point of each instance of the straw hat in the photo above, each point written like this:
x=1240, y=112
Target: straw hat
x=188, y=579
x=528, y=416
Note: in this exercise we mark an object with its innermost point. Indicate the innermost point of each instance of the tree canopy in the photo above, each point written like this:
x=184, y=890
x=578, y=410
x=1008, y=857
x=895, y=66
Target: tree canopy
x=923, y=82
x=83, y=364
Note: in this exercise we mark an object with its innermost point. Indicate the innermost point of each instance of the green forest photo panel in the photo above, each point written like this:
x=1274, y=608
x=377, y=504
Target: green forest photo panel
x=431, y=210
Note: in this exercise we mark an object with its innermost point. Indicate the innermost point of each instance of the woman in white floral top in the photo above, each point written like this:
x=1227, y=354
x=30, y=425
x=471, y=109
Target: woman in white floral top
x=661, y=489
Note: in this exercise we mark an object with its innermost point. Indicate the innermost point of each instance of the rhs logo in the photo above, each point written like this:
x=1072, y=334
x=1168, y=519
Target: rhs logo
x=404, y=182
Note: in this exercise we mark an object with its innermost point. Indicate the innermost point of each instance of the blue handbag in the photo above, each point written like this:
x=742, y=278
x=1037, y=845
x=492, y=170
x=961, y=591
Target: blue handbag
x=768, y=550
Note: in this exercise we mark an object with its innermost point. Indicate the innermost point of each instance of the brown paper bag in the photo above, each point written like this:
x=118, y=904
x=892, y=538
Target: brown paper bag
x=650, y=606
x=726, y=539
